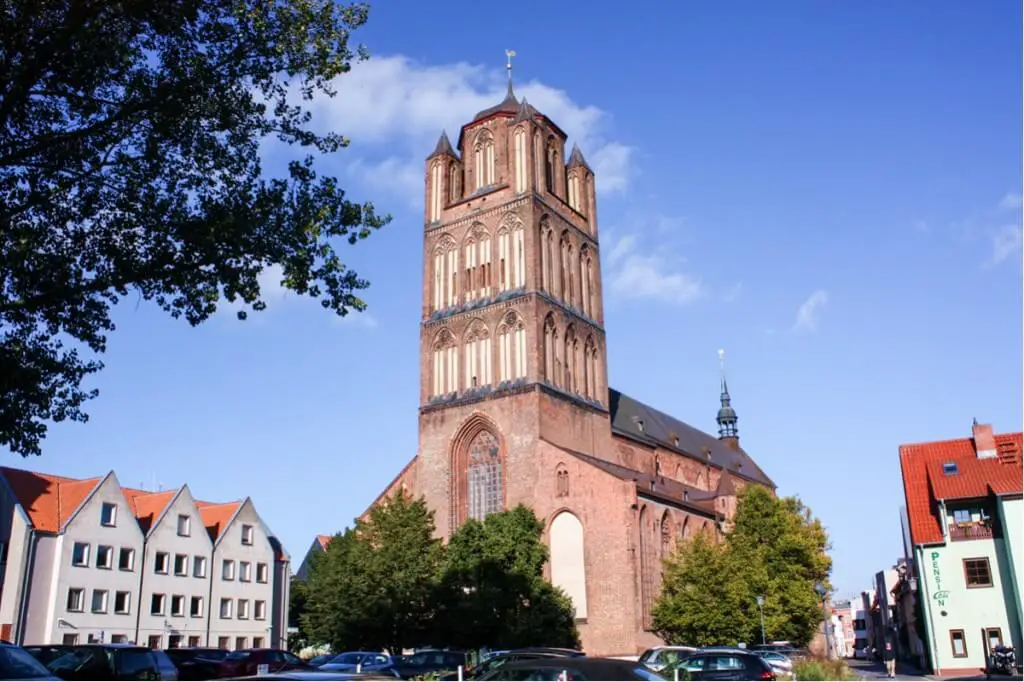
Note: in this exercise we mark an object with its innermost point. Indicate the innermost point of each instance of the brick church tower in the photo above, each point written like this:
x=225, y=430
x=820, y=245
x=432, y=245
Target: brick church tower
x=514, y=401
x=512, y=346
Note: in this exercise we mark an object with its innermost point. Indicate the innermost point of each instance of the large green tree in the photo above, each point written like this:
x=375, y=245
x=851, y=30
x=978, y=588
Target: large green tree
x=775, y=549
x=130, y=164
x=374, y=586
x=493, y=592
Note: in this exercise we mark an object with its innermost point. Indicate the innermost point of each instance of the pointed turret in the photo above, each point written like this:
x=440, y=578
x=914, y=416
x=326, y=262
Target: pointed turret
x=727, y=417
x=576, y=159
x=525, y=113
x=444, y=147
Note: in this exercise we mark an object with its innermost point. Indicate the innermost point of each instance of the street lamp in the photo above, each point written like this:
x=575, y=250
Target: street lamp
x=822, y=593
x=760, y=607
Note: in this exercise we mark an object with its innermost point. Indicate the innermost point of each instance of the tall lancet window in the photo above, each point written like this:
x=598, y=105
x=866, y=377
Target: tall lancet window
x=477, y=253
x=585, y=282
x=445, y=364
x=519, y=143
x=511, y=253
x=478, y=355
x=511, y=348
x=551, y=365
x=550, y=163
x=546, y=255
x=574, y=192
x=571, y=382
x=446, y=262
x=454, y=183
x=483, y=159
x=436, y=188
x=484, y=479
x=589, y=363
x=565, y=268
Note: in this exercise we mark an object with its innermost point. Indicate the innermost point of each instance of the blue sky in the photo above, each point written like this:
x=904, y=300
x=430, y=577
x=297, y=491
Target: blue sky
x=829, y=191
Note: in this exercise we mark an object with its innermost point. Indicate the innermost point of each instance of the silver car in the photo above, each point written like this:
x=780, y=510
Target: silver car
x=661, y=657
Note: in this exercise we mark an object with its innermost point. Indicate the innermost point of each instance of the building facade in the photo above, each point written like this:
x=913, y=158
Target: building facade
x=318, y=547
x=965, y=514
x=514, y=401
x=91, y=561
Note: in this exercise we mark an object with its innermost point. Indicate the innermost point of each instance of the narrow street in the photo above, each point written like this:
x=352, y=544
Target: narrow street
x=871, y=670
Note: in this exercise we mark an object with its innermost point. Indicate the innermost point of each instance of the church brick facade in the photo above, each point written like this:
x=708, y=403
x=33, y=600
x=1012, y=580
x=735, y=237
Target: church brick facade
x=514, y=404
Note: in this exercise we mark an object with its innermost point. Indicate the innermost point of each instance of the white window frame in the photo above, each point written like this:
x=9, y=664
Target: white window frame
x=179, y=613
x=112, y=521
x=248, y=534
x=198, y=566
x=227, y=569
x=227, y=608
x=80, y=605
x=184, y=525
x=167, y=563
x=128, y=602
x=163, y=604
x=110, y=557
x=104, y=601
x=183, y=573
x=259, y=610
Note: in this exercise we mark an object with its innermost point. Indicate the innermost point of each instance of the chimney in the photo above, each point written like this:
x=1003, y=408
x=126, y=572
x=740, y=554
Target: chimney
x=984, y=441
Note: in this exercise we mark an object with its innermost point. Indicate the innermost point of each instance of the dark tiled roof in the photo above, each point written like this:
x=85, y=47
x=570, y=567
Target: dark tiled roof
x=444, y=146
x=661, y=429
x=658, y=487
x=508, y=105
x=576, y=158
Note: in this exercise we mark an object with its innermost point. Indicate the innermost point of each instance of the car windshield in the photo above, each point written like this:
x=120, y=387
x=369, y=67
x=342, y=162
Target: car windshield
x=347, y=658
x=646, y=656
x=18, y=664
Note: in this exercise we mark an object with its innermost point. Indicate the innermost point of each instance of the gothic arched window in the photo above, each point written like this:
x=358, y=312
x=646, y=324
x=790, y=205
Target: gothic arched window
x=561, y=481
x=666, y=535
x=484, y=479
x=483, y=161
x=551, y=162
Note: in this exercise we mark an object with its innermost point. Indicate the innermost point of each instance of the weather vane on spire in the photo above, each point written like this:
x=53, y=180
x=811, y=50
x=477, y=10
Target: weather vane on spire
x=508, y=67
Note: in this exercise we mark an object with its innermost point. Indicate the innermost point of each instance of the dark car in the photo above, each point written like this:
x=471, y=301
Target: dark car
x=18, y=664
x=318, y=661
x=489, y=665
x=725, y=664
x=246, y=662
x=44, y=653
x=196, y=663
x=112, y=662
x=578, y=668
x=426, y=662
x=353, y=661
x=316, y=676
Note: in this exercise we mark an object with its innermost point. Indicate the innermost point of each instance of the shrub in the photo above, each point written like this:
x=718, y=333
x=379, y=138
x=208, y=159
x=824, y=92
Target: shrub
x=822, y=669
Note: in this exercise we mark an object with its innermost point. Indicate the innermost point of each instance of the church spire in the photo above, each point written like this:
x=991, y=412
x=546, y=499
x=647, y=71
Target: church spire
x=726, y=414
x=508, y=67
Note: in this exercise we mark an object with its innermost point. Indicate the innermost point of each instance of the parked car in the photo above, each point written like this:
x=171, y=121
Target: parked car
x=578, y=668
x=726, y=664
x=660, y=657
x=197, y=663
x=113, y=662
x=245, y=662
x=780, y=662
x=426, y=662
x=18, y=664
x=44, y=653
x=352, y=661
x=492, y=663
x=318, y=661
x=316, y=676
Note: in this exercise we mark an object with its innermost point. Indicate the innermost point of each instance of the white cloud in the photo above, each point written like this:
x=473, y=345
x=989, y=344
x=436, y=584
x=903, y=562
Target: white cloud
x=1006, y=242
x=733, y=292
x=810, y=310
x=634, y=275
x=398, y=104
x=1010, y=202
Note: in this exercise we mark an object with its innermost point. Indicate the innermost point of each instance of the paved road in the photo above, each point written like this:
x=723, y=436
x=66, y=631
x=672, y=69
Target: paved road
x=869, y=670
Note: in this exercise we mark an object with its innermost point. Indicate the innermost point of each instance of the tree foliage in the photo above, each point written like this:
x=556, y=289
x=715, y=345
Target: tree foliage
x=373, y=587
x=130, y=140
x=493, y=591
x=775, y=549
x=388, y=584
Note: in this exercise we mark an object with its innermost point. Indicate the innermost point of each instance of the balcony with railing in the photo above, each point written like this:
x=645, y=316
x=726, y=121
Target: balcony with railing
x=984, y=530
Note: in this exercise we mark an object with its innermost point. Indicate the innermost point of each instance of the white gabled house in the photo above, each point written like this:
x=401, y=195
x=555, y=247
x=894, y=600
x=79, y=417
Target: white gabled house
x=90, y=561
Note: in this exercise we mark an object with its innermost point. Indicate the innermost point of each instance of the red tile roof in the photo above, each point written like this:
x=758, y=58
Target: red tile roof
x=48, y=500
x=148, y=506
x=323, y=540
x=925, y=483
x=216, y=516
